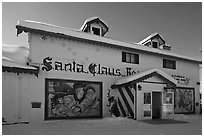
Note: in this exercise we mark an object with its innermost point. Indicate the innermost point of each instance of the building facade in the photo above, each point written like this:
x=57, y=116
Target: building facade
x=78, y=70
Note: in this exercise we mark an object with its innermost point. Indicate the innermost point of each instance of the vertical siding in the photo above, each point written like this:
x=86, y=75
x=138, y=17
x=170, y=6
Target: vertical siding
x=8, y=97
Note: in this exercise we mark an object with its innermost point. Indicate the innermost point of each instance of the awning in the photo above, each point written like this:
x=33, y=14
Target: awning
x=12, y=66
x=144, y=75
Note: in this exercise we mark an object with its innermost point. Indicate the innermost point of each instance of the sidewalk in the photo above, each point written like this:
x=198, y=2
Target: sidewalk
x=182, y=125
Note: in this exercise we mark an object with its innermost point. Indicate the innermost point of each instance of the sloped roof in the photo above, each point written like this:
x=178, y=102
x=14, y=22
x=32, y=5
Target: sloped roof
x=7, y=62
x=10, y=65
x=144, y=75
x=61, y=32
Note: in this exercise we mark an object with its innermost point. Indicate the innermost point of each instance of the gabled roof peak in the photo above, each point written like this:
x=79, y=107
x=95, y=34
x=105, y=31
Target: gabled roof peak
x=144, y=75
x=156, y=41
x=150, y=37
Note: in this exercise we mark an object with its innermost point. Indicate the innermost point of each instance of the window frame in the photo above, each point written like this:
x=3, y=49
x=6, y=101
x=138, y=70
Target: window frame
x=169, y=63
x=134, y=58
x=153, y=44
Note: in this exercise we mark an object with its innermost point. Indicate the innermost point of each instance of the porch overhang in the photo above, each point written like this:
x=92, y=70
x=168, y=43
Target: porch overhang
x=12, y=66
x=145, y=75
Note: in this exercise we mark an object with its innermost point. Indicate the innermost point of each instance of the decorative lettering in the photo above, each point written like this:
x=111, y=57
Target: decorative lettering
x=111, y=73
x=80, y=68
x=130, y=71
x=58, y=65
x=118, y=72
x=47, y=65
x=94, y=69
x=104, y=71
x=68, y=67
x=183, y=80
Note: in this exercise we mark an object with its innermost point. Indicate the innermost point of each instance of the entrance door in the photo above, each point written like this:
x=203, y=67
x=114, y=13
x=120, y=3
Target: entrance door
x=147, y=105
x=156, y=105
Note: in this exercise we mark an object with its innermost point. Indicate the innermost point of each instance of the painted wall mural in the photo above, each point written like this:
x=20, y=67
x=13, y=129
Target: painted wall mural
x=73, y=99
x=184, y=100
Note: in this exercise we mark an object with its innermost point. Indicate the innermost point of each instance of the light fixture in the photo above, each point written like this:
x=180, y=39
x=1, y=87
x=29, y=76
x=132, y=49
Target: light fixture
x=139, y=87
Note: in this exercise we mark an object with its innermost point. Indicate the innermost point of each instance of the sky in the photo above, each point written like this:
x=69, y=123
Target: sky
x=179, y=23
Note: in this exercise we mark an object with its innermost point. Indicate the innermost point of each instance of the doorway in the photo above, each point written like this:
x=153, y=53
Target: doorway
x=156, y=105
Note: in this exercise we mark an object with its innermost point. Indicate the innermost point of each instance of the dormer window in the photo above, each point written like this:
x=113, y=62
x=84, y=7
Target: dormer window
x=96, y=31
x=95, y=25
x=154, y=44
x=155, y=41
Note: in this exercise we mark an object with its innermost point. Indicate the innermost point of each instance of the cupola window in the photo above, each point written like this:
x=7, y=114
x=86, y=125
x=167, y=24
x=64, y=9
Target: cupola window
x=96, y=31
x=154, y=44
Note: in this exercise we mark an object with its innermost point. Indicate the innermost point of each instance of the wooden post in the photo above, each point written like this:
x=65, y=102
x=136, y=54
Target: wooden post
x=135, y=102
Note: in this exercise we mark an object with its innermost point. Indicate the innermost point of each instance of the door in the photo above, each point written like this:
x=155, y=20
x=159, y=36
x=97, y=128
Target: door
x=156, y=105
x=147, y=105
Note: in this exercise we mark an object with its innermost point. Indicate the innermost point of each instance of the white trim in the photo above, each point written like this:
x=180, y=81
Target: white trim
x=142, y=42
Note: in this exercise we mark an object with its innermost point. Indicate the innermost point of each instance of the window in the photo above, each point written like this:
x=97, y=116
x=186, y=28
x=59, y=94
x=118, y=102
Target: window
x=147, y=102
x=171, y=64
x=168, y=98
x=130, y=58
x=147, y=98
x=154, y=44
x=96, y=31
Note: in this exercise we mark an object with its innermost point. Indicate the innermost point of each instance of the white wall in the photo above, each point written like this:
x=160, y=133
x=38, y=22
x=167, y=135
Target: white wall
x=84, y=53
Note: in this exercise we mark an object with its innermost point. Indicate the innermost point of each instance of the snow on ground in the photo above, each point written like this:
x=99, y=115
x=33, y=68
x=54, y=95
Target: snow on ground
x=109, y=126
